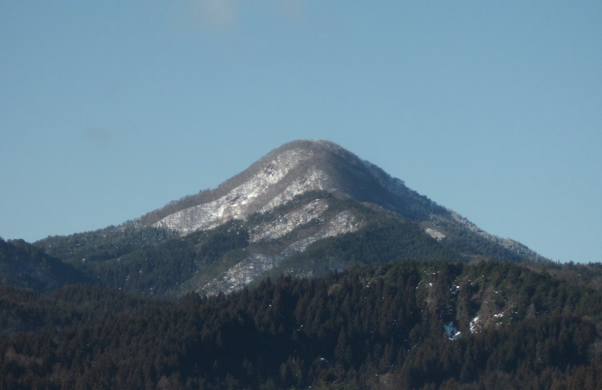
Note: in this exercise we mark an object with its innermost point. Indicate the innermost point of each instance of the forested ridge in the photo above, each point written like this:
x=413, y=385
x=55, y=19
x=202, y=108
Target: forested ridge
x=385, y=326
x=24, y=265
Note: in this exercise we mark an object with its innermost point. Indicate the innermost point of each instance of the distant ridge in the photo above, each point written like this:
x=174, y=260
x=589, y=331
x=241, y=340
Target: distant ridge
x=26, y=266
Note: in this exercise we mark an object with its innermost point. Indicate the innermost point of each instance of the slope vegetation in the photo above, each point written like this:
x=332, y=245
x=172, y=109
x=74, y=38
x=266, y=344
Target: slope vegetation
x=419, y=325
x=23, y=265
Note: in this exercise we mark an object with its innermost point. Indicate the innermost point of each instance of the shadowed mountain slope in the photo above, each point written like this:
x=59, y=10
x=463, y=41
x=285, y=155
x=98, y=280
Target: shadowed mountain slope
x=24, y=265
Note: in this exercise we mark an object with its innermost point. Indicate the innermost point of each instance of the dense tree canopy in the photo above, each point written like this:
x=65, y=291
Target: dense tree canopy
x=369, y=327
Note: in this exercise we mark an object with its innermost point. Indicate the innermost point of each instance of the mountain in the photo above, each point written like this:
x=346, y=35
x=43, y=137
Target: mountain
x=290, y=170
x=301, y=166
x=337, y=276
x=304, y=209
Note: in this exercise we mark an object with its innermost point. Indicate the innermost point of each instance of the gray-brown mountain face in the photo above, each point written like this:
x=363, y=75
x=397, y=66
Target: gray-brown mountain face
x=284, y=173
x=302, y=166
x=303, y=209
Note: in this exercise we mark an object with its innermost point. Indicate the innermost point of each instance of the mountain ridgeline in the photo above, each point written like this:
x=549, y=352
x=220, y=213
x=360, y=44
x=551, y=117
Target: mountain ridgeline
x=24, y=265
x=305, y=208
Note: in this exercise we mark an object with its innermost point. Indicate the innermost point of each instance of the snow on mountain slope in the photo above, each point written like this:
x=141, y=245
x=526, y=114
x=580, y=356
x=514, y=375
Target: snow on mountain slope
x=291, y=170
x=256, y=264
x=288, y=222
x=236, y=203
x=313, y=179
x=301, y=166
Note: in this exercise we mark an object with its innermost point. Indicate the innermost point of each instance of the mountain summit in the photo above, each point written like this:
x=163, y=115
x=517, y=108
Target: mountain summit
x=288, y=171
x=304, y=209
x=301, y=166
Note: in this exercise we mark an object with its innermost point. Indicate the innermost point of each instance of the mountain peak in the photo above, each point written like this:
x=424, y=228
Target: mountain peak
x=287, y=171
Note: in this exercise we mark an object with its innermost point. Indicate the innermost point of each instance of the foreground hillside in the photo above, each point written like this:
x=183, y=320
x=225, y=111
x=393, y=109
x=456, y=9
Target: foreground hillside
x=421, y=325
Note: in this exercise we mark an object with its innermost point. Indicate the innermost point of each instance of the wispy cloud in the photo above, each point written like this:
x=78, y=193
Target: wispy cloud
x=97, y=136
x=216, y=13
x=225, y=15
x=290, y=9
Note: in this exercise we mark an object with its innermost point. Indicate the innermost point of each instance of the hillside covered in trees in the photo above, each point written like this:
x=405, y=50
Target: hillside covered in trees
x=417, y=325
x=24, y=265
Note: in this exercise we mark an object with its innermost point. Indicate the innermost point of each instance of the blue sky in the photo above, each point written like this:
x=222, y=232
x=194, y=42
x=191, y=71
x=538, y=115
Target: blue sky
x=111, y=109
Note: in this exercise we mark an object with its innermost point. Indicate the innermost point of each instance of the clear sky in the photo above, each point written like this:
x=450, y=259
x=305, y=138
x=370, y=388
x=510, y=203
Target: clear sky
x=111, y=109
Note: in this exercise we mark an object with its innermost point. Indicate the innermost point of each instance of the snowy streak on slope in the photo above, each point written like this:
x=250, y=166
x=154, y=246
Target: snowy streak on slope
x=314, y=179
x=343, y=222
x=437, y=235
x=507, y=243
x=288, y=222
x=254, y=265
x=235, y=204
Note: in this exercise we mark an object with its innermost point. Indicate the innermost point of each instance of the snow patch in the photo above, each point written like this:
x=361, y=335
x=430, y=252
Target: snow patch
x=235, y=204
x=288, y=222
x=452, y=332
x=254, y=265
x=475, y=324
x=437, y=235
x=314, y=179
x=514, y=246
